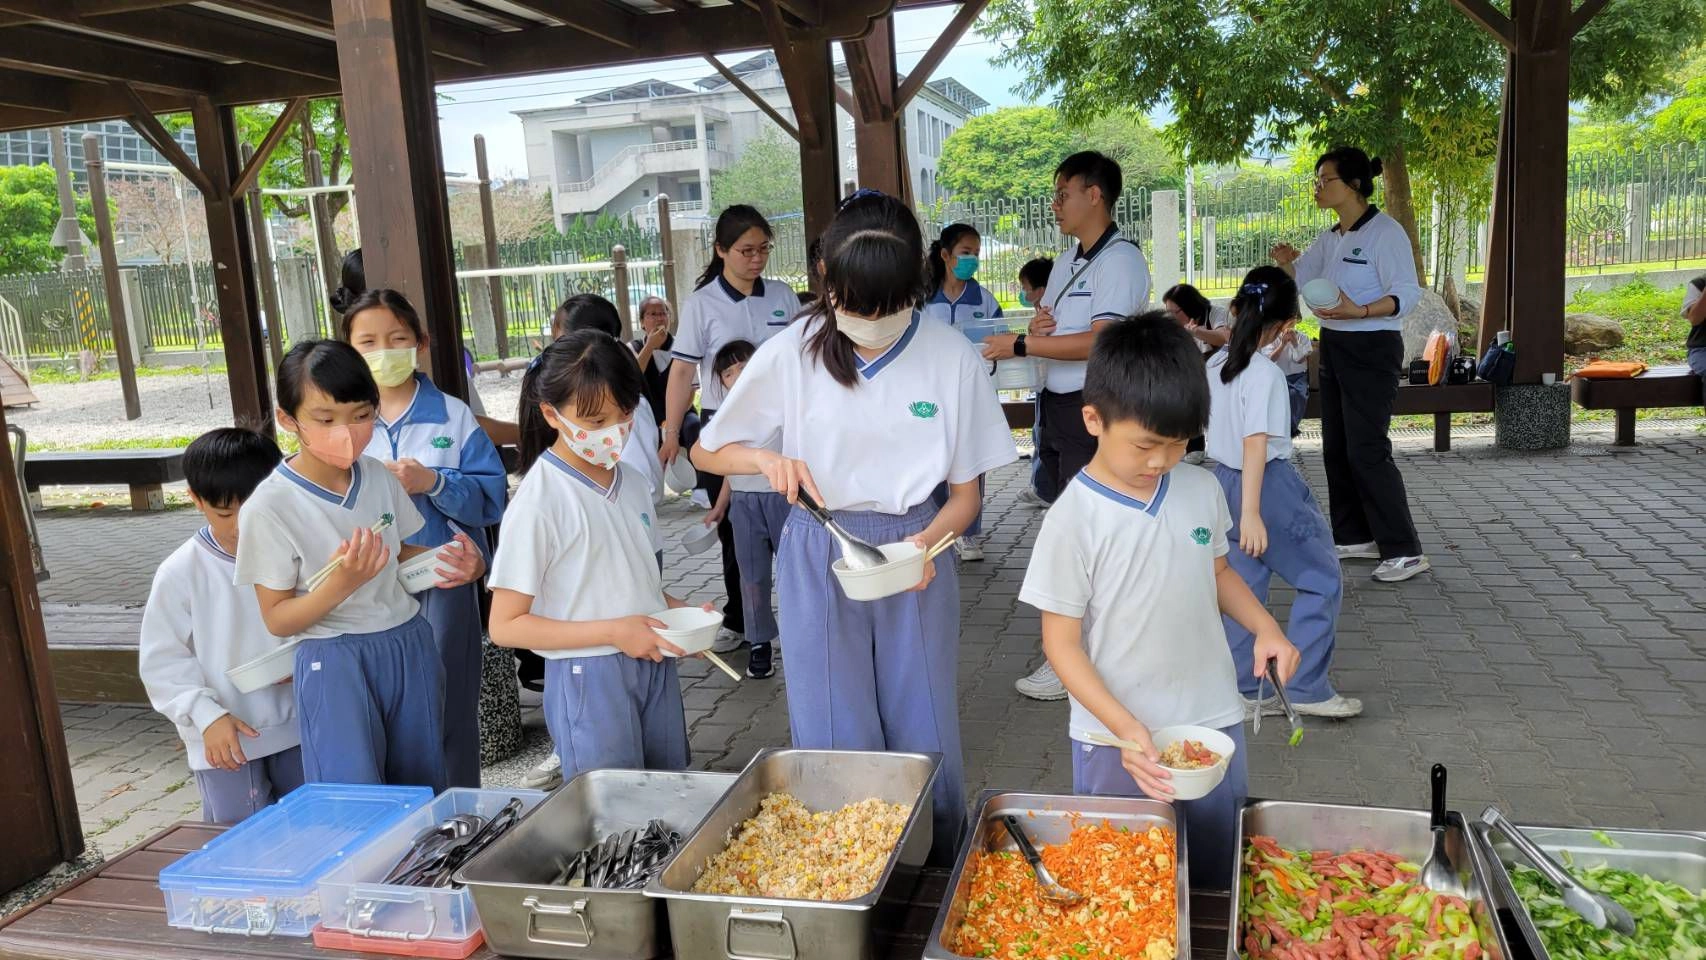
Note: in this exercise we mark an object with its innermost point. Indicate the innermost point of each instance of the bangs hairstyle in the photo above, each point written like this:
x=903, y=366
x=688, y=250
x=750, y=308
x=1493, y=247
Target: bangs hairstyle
x=385, y=299
x=1190, y=300
x=1097, y=171
x=733, y=352
x=333, y=366
x=873, y=256
x=1035, y=272
x=1267, y=297
x=224, y=466
x=587, y=311
x=578, y=370
x=1148, y=370
x=732, y=224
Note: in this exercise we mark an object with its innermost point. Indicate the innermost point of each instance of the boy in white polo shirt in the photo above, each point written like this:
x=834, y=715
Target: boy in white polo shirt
x=1130, y=573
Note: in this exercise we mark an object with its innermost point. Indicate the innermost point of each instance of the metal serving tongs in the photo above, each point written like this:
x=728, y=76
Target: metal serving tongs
x=1596, y=908
x=1272, y=676
x=1047, y=887
x=858, y=554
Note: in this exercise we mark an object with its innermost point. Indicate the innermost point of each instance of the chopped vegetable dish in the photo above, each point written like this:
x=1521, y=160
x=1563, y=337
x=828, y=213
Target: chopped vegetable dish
x=1188, y=755
x=1129, y=910
x=1361, y=905
x=790, y=852
x=1670, y=919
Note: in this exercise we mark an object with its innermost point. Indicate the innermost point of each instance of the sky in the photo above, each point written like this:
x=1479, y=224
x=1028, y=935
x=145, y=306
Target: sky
x=486, y=107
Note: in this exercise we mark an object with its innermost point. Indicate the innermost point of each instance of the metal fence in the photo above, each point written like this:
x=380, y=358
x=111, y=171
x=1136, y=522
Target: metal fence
x=1642, y=207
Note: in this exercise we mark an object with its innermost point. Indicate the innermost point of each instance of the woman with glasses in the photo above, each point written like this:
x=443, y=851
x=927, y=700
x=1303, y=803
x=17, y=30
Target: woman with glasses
x=1367, y=256
x=732, y=301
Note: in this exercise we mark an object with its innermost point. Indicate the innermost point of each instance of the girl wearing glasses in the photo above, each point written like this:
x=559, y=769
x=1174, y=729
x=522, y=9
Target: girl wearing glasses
x=1367, y=255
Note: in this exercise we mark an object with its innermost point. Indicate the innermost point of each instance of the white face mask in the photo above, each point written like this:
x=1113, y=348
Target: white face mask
x=874, y=334
x=601, y=447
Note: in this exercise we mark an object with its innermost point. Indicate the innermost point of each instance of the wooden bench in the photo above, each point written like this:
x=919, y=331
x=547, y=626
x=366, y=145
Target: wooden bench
x=143, y=471
x=1658, y=387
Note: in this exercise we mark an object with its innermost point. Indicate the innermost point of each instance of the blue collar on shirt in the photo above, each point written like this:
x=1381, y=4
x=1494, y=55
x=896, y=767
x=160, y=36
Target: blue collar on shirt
x=1100, y=245
x=347, y=500
x=428, y=406
x=1152, y=508
x=870, y=368
x=204, y=537
x=972, y=292
x=1363, y=220
x=550, y=456
x=736, y=295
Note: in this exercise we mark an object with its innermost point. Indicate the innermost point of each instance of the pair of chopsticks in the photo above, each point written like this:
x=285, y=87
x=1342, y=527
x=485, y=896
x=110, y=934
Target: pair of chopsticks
x=385, y=520
x=1108, y=741
x=941, y=545
x=723, y=666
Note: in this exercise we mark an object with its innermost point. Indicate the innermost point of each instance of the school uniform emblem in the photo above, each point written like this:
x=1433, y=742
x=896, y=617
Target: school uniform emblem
x=923, y=409
x=977, y=314
x=442, y=443
x=778, y=313
x=1201, y=536
x=1356, y=251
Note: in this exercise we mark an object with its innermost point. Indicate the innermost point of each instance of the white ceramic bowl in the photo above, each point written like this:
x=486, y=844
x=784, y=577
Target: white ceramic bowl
x=903, y=571
x=699, y=538
x=421, y=573
x=679, y=475
x=265, y=670
x=1196, y=784
x=1321, y=293
x=691, y=628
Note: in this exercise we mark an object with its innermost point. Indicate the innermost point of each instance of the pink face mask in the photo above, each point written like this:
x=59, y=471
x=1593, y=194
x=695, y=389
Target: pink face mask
x=338, y=446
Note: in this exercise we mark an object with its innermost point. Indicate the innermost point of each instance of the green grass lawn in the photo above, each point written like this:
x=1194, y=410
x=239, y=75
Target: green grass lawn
x=1654, y=331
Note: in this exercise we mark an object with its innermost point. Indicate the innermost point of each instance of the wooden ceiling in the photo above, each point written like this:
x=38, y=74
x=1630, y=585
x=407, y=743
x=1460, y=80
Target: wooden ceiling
x=70, y=61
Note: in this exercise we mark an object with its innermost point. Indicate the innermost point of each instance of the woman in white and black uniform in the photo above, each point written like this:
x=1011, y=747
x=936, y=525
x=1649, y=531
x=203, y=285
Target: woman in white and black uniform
x=1368, y=257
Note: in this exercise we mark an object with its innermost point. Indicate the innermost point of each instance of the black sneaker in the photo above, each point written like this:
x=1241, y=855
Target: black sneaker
x=758, y=662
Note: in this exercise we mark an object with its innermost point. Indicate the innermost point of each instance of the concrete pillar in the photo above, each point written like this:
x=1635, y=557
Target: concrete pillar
x=690, y=257
x=480, y=301
x=704, y=158
x=583, y=148
x=1638, y=222
x=299, y=296
x=1532, y=416
x=1164, y=242
x=1209, y=259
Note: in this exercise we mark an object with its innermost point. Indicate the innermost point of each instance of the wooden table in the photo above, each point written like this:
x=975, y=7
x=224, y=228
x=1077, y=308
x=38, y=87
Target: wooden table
x=117, y=913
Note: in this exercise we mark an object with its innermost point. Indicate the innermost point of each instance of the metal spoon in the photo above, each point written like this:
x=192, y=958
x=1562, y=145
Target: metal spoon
x=858, y=554
x=1438, y=874
x=1051, y=891
x=1596, y=908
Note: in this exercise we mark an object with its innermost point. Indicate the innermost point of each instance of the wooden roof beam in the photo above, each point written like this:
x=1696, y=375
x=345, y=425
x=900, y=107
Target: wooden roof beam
x=446, y=39
x=594, y=18
x=1491, y=19
x=1584, y=15
x=142, y=118
x=751, y=94
x=964, y=17
x=45, y=50
x=32, y=91
x=251, y=171
x=205, y=34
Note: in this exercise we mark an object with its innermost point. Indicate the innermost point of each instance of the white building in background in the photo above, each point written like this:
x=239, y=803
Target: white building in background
x=613, y=152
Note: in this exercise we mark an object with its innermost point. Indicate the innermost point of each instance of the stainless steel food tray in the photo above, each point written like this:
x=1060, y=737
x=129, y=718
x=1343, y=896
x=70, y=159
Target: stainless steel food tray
x=526, y=916
x=1296, y=825
x=1048, y=821
x=713, y=927
x=1673, y=855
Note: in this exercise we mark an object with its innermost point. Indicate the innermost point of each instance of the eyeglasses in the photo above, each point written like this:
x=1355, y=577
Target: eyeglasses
x=753, y=253
x=1321, y=182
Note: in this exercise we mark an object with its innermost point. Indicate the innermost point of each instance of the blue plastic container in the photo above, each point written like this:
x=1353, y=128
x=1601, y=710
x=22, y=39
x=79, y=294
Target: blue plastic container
x=262, y=876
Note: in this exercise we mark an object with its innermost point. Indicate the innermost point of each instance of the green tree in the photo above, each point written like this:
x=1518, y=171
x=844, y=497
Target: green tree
x=29, y=212
x=1299, y=74
x=765, y=175
x=1012, y=152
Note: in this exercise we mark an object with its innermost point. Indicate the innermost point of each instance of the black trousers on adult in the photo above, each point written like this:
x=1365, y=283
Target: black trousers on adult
x=734, y=618
x=1063, y=443
x=1365, y=491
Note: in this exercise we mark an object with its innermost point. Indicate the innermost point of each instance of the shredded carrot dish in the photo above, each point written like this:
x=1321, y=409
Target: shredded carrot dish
x=1129, y=911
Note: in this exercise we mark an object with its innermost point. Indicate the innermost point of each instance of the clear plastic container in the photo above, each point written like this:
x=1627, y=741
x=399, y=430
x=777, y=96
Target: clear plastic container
x=376, y=917
x=262, y=876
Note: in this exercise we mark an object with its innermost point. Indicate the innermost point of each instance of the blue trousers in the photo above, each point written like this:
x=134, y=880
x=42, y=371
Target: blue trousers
x=371, y=706
x=615, y=712
x=231, y=796
x=758, y=519
x=939, y=497
x=878, y=675
x=1297, y=391
x=1209, y=822
x=1300, y=550
x=454, y=616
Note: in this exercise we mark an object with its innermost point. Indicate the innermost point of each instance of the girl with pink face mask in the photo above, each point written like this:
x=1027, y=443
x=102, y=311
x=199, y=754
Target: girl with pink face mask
x=369, y=683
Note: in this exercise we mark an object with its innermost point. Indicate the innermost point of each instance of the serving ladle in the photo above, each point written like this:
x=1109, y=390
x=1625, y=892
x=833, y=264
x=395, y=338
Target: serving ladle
x=1050, y=889
x=858, y=554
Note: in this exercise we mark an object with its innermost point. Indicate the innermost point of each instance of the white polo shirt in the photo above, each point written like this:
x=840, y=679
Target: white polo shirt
x=976, y=304
x=291, y=526
x=1110, y=281
x=921, y=413
x=582, y=552
x=1141, y=577
x=1291, y=358
x=1254, y=402
x=717, y=313
x=1219, y=318
x=1373, y=260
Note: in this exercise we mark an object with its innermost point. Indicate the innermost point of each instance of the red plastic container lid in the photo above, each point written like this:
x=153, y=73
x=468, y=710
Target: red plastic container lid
x=439, y=949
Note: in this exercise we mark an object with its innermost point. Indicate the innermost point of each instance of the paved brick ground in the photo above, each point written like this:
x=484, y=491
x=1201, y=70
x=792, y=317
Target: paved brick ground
x=1555, y=658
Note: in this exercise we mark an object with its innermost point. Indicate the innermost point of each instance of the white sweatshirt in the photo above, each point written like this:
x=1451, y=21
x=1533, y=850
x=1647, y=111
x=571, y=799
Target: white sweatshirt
x=198, y=624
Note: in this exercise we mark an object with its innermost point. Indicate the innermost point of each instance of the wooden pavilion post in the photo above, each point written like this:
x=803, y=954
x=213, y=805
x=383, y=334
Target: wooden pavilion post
x=96, y=168
x=879, y=120
x=809, y=74
x=489, y=229
x=391, y=113
x=265, y=274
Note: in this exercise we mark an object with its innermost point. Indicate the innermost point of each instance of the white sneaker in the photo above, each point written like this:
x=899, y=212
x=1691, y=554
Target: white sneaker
x=1338, y=708
x=701, y=499
x=1358, y=551
x=1029, y=497
x=727, y=641
x=529, y=697
x=1195, y=457
x=1042, y=684
x=546, y=776
x=1270, y=707
x=970, y=548
x=1399, y=569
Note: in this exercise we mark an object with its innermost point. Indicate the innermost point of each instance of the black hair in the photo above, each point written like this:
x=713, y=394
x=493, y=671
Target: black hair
x=950, y=238
x=733, y=352
x=873, y=256
x=1148, y=369
x=814, y=255
x=586, y=311
x=732, y=224
x=224, y=466
x=1190, y=300
x=352, y=282
x=1035, y=272
x=1355, y=168
x=1268, y=296
x=331, y=365
x=388, y=299
x=1097, y=171
x=580, y=367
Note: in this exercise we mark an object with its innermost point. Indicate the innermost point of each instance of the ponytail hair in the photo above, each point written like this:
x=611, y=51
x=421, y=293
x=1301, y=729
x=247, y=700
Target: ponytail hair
x=352, y=282
x=732, y=224
x=1268, y=297
x=950, y=238
x=1355, y=168
x=580, y=368
x=873, y=252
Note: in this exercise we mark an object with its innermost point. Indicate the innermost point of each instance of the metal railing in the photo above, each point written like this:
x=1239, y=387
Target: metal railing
x=12, y=341
x=622, y=156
